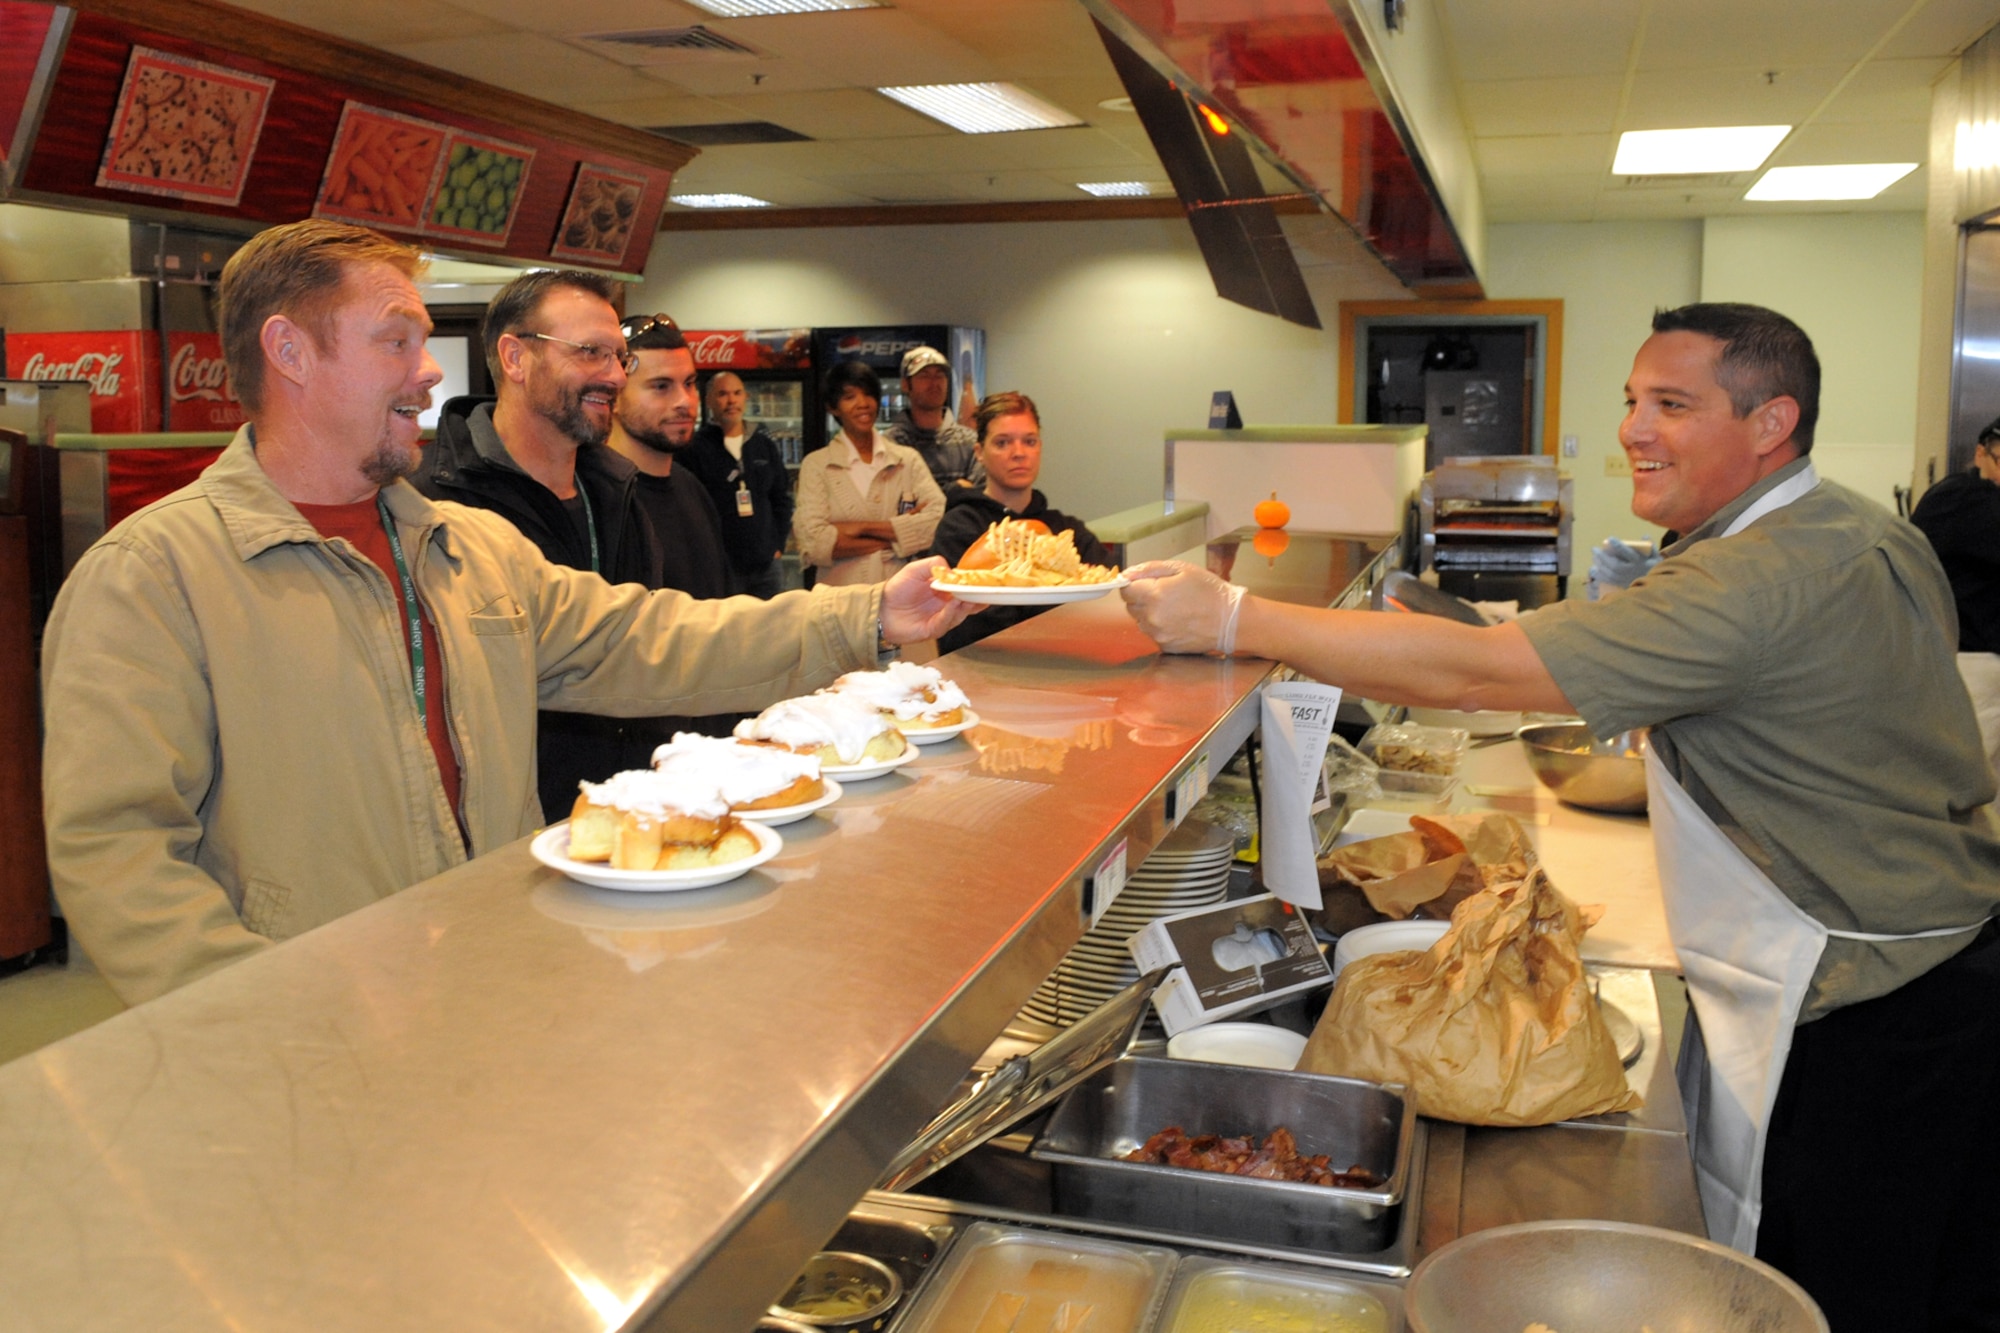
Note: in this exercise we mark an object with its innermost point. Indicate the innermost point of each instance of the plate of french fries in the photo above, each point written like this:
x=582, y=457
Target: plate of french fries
x=1019, y=562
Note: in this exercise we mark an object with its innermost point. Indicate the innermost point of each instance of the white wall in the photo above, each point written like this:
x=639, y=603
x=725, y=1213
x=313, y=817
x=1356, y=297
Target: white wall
x=1854, y=283
x=1610, y=277
x=1113, y=328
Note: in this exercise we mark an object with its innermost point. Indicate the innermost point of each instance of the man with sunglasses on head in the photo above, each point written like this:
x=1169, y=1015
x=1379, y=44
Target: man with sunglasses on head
x=1961, y=516
x=652, y=427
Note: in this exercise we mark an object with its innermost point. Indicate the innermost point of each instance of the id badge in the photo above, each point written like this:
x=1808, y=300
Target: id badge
x=744, y=509
x=906, y=505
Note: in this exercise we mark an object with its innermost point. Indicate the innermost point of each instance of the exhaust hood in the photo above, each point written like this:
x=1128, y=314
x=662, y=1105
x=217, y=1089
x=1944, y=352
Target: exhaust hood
x=1301, y=79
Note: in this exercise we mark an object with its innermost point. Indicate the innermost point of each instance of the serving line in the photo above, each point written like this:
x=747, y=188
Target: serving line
x=457, y=1109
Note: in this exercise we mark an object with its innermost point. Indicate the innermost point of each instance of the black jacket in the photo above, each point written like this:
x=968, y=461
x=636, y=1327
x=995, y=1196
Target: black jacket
x=752, y=542
x=967, y=515
x=1961, y=516
x=468, y=463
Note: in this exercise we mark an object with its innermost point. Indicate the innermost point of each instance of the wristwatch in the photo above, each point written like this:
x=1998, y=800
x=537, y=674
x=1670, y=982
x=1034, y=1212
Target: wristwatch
x=885, y=652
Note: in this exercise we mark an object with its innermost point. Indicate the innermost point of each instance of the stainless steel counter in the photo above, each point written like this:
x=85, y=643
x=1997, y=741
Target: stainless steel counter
x=500, y=1100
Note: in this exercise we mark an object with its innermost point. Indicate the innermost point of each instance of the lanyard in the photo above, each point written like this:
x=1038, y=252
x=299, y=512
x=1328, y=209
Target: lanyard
x=589, y=525
x=412, y=614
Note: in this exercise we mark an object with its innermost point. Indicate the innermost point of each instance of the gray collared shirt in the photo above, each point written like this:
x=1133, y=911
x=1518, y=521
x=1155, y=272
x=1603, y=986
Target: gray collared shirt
x=1801, y=683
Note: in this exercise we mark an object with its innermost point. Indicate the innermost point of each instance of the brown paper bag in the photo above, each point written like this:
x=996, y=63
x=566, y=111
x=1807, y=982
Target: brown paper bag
x=1494, y=1025
x=1429, y=870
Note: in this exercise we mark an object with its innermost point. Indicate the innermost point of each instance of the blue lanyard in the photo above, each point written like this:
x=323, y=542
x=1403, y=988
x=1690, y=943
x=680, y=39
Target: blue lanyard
x=589, y=524
x=412, y=613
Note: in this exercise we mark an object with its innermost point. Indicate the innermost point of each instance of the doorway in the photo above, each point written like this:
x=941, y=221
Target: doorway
x=1479, y=374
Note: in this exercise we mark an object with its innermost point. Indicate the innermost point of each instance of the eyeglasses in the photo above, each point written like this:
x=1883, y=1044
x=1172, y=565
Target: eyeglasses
x=638, y=326
x=591, y=354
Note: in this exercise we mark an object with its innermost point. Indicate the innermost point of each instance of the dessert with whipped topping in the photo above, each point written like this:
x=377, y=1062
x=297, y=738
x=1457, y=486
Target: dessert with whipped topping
x=838, y=729
x=643, y=819
x=915, y=698
x=750, y=777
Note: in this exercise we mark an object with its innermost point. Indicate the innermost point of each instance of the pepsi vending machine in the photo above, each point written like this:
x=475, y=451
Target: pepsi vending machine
x=779, y=381
x=882, y=347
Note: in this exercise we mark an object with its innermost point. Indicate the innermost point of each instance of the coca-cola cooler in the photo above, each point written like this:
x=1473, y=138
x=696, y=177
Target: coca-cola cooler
x=883, y=346
x=779, y=379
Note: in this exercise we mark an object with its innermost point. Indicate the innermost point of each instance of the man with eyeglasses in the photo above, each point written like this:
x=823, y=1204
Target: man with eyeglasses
x=1961, y=516
x=537, y=454
x=298, y=686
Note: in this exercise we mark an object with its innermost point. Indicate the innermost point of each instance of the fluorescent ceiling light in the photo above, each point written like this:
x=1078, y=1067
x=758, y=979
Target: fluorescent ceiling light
x=981, y=108
x=1115, y=189
x=1696, y=152
x=1854, y=180
x=1977, y=147
x=720, y=201
x=749, y=9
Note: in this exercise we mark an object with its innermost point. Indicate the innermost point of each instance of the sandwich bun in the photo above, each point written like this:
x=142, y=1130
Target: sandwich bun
x=980, y=555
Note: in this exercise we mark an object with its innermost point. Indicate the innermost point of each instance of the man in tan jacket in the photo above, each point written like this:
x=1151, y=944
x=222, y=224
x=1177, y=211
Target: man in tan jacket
x=297, y=686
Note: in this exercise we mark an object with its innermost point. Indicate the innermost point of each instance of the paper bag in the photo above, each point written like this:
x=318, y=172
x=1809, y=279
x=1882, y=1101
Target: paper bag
x=1432, y=868
x=1494, y=1025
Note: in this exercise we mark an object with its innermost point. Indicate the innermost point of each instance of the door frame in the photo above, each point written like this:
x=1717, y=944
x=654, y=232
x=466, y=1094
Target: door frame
x=1357, y=316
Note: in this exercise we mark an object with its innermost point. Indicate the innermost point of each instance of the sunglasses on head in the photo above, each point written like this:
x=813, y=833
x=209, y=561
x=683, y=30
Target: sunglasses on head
x=637, y=326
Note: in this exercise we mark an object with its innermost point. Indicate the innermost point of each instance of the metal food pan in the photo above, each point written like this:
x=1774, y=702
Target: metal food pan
x=1353, y=1122
x=1258, y=1295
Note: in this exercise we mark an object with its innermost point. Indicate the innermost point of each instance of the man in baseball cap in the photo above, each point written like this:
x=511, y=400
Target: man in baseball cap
x=949, y=449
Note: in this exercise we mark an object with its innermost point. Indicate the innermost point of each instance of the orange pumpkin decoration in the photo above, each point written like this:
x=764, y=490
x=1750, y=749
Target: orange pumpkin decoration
x=1272, y=513
x=1270, y=542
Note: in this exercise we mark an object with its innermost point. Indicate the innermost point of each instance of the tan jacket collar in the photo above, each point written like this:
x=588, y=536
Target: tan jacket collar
x=257, y=517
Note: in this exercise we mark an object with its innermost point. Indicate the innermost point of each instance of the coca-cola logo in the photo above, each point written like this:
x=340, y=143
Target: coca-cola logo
x=100, y=368
x=193, y=377
x=714, y=349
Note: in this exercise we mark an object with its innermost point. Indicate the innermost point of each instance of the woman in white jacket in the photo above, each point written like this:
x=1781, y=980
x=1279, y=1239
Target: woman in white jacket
x=867, y=505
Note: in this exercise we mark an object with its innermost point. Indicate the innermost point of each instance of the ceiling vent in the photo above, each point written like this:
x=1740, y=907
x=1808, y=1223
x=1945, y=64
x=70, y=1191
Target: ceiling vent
x=657, y=46
x=729, y=132
x=1691, y=180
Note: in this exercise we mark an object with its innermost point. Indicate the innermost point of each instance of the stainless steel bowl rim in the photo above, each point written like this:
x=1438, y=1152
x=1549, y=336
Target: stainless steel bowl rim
x=892, y=1293
x=1556, y=1226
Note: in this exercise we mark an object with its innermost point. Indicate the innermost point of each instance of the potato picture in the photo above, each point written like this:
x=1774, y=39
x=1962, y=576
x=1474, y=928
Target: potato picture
x=380, y=171
x=603, y=208
x=478, y=189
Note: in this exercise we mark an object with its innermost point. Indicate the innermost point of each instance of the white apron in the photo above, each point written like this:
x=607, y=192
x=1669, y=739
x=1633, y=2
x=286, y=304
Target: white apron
x=1748, y=953
x=1981, y=674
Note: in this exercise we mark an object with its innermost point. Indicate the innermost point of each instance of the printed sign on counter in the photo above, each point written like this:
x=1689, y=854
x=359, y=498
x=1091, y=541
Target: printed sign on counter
x=1233, y=958
x=1297, y=719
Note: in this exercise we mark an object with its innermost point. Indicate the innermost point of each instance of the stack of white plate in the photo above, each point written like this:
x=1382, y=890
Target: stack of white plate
x=1188, y=870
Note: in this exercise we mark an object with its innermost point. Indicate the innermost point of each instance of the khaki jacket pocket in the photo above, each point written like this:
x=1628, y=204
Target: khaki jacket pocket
x=266, y=908
x=504, y=616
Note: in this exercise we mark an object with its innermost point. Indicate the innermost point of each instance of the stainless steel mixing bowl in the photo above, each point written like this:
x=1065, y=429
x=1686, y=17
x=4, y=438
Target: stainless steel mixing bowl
x=1582, y=1275
x=1582, y=770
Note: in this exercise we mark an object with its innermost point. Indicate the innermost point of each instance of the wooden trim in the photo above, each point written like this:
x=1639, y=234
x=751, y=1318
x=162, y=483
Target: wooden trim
x=935, y=215
x=1552, y=316
x=322, y=55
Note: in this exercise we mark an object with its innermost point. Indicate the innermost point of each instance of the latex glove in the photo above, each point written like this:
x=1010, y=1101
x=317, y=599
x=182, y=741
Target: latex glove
x=912, y=610
x=1184, y=608
x=1613, y=564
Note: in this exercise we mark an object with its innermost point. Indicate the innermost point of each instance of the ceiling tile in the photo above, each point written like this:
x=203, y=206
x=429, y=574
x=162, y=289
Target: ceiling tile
x=864, y=48
x=740, y=76
x=1770, y=34
x=1545, y=154
x=1042, y=39
x=1888, y=90
x=529, y=63
x=662, y=108
x=798, y=159
x=839, y=113
x=893, y=188
x=1504, y=39
x=1587, y=105
x=1569, y=198
x=383, y=23
x=1890, y=141
x=1943, y=28
x=1740, y=95
x=1007, y=185
x=579, y=16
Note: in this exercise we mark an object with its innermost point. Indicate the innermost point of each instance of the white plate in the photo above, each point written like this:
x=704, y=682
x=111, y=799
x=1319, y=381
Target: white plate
x=932, y=735
x=1074, y=592
x=551, y=847
x=786, y=814
x=1258, y=1045
x=874, y=768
